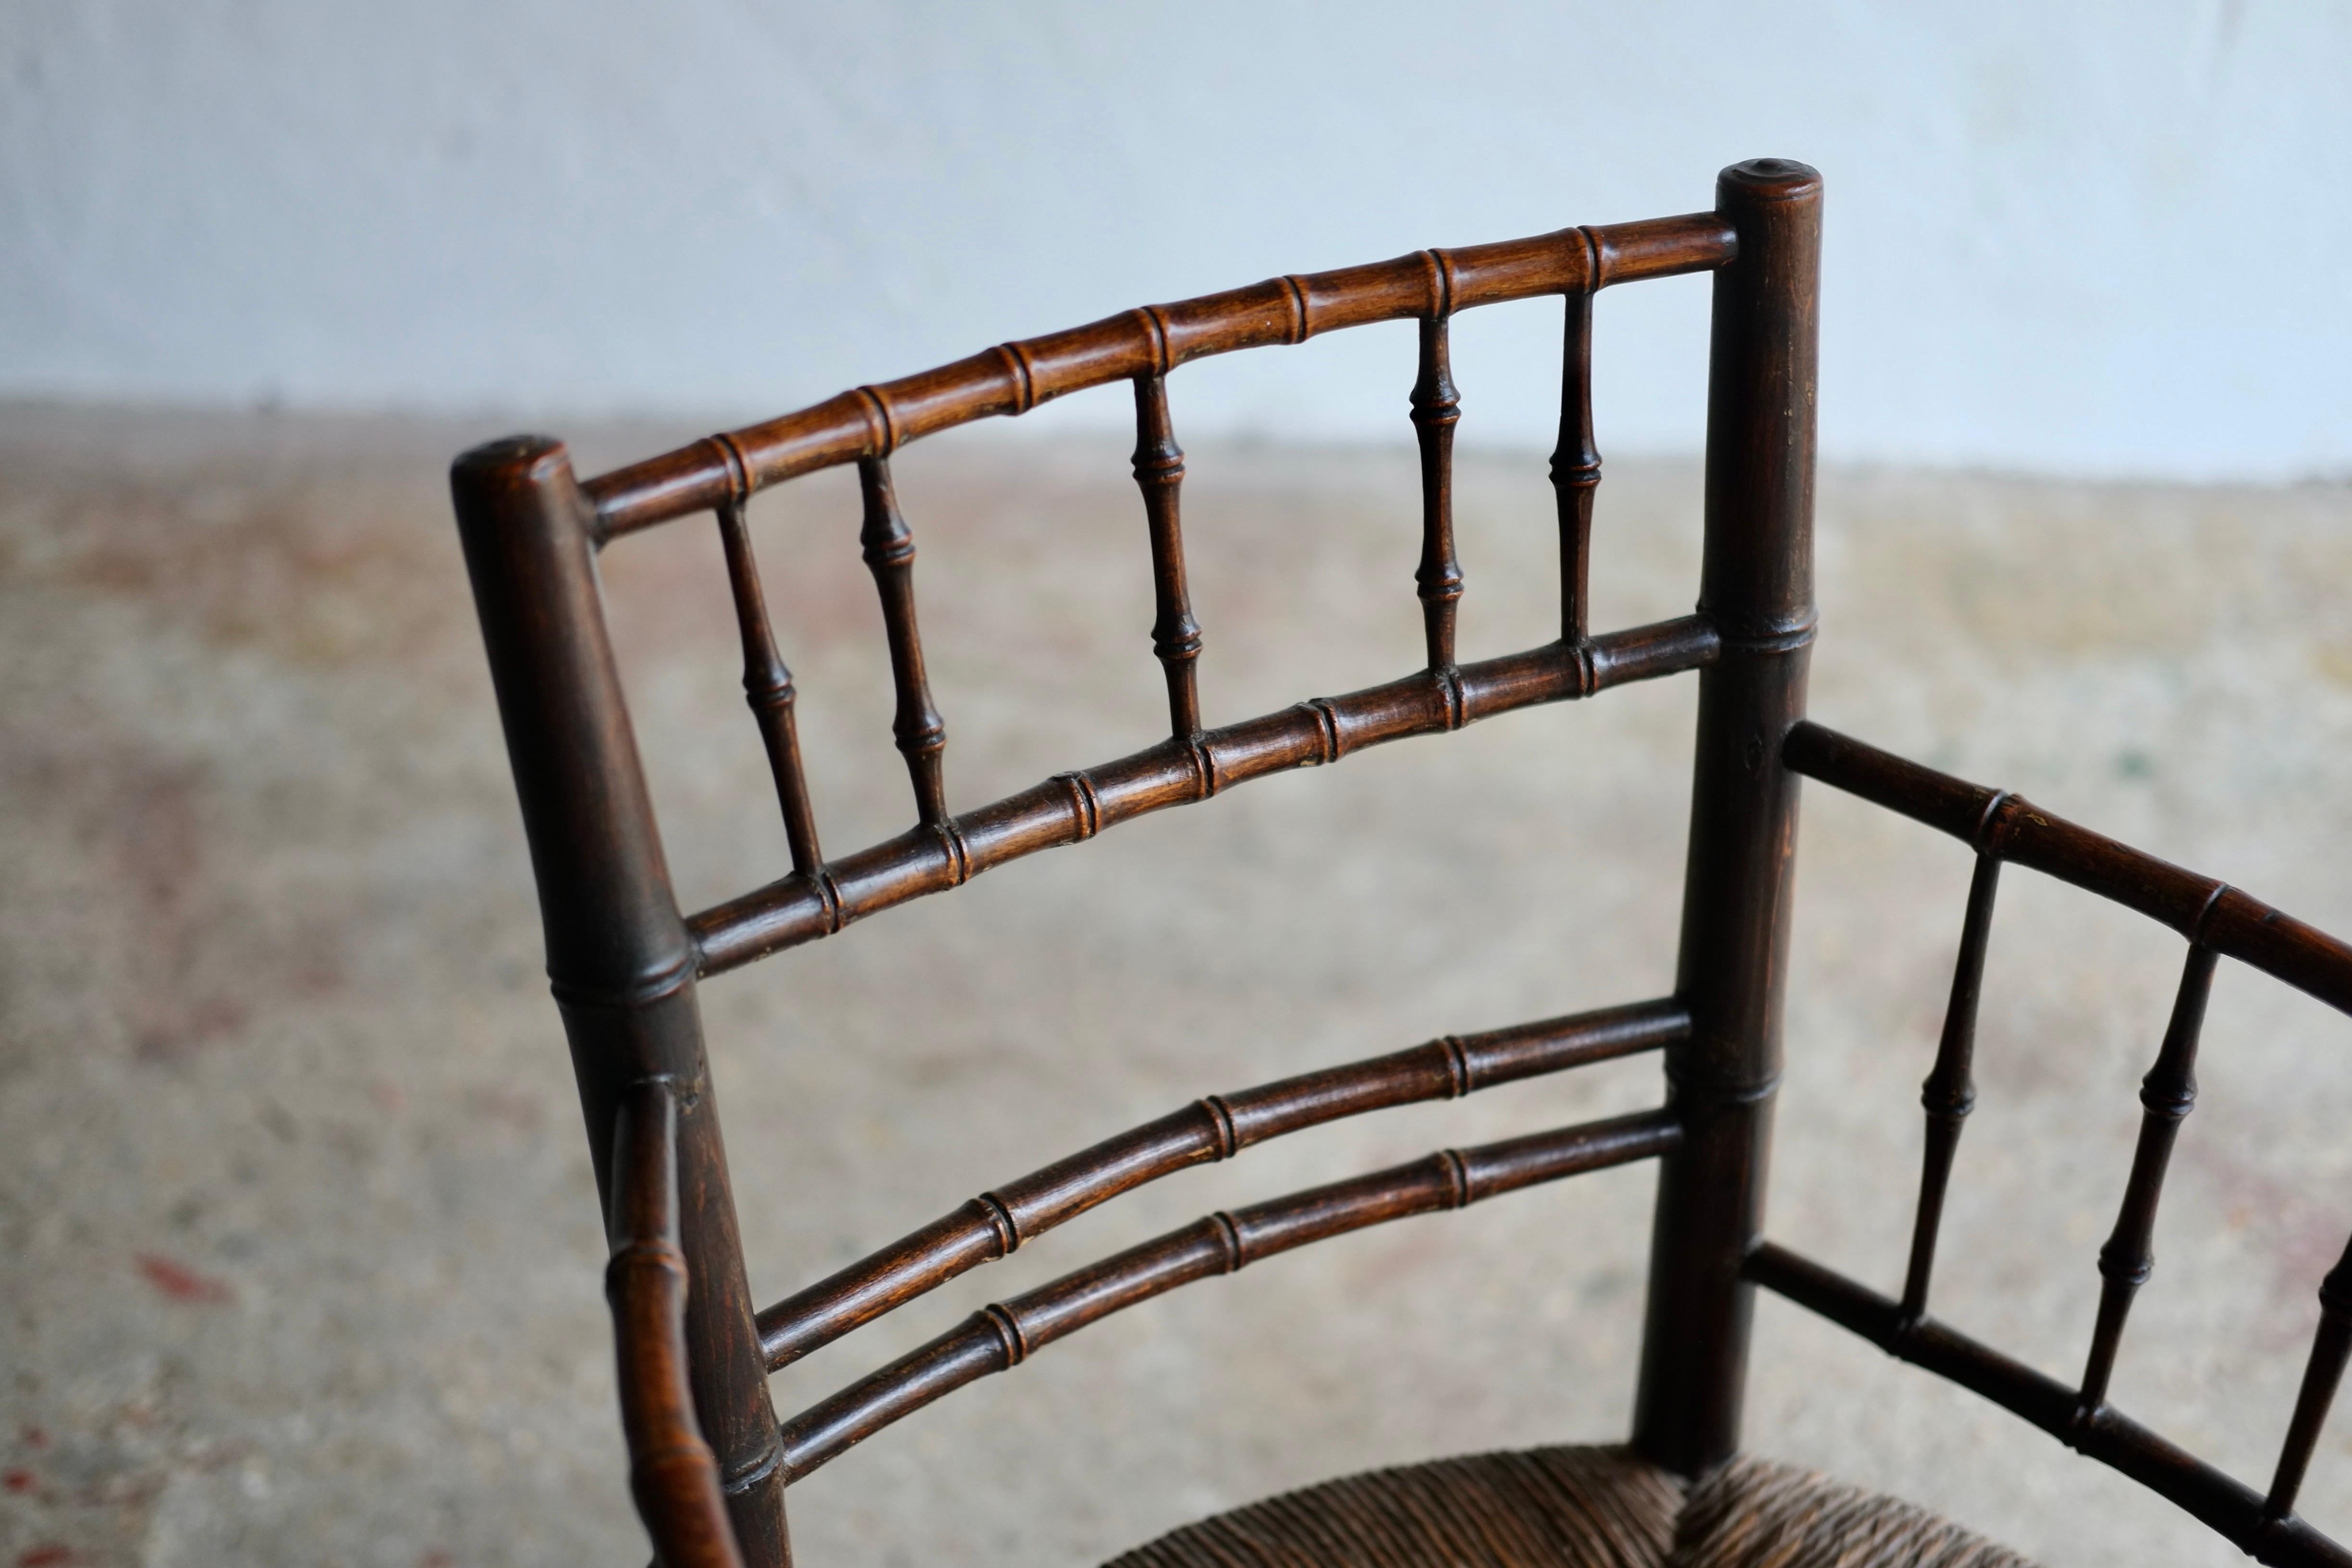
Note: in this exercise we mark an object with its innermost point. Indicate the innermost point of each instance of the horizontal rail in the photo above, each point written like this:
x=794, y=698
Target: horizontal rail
x=1216, y=1128
x=1070, y=808
x=671, y=1470
x=2102, y=1433
x=1013, y=378
x=2236, y=925
x=1004, y=1334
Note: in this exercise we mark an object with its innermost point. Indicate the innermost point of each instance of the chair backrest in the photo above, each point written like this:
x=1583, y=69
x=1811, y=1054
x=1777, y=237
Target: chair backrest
x=710, y=1463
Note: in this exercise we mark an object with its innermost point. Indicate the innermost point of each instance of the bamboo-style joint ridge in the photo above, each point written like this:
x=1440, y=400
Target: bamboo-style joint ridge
x=889, y=549
x=1011, y=378
x=1216, y=1127
x=1949, y=1092
x=672, y=1471
x=2229, y=922
x=1576, y=463
x=768, y=688
x=1004, y=1333
x=2330, y=1345
x=2222, y=1503
x=1437, y=409
x=2128, y=1257
x=1159, y=474
x=1072, y=807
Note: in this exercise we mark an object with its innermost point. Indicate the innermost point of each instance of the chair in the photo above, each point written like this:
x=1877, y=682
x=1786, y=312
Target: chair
x=710, y=1463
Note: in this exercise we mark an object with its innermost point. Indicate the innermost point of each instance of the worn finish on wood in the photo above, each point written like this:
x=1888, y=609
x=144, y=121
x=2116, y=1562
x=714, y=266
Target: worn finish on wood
x=618, y=957
x=2234, y=924
x=1013, y=378
x=2105, y=1433
x=1756, y=585
x=1950, y=1091
x=672, y=1471
x=1004, y=1334
x=1072, y=807
x=768, y=687
x=2166, y=1096
x=1216, y=1127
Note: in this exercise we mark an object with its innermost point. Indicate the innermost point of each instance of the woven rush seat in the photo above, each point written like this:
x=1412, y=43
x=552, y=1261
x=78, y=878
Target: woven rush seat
x=1575, y=1508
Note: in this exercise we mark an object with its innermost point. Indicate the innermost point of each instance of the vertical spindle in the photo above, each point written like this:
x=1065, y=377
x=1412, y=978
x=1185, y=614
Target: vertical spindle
x=1436, y=408
x=768, y=688
x=1159, y=474
x=2321, y=1374
x=1950, y=1091
x=2165, y=1096
x=889, y=547
x=1575, y=466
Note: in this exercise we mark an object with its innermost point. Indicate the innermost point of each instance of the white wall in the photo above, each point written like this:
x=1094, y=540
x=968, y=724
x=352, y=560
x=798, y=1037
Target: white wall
x=2086, y=238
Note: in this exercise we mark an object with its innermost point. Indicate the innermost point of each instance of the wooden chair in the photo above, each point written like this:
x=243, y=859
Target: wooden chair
x=710, y=1461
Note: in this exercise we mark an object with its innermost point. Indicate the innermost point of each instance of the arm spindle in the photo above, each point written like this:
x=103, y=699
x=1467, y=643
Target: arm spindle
x=2167, y=1093
x=1575, y=465
x=889, y=548
x=2329, y=1348
x=1951, y=1092
x=1437, y=409
x=768, y=687
x=1159, y=474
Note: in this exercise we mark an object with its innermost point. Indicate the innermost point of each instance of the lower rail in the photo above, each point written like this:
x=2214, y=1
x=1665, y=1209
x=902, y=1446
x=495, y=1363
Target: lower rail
x=2101, y=1432
x=1004, y=1334
x=1216, y=1127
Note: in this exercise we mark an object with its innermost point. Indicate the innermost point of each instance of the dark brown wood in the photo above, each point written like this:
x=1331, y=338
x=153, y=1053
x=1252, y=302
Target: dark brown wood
x=2166, y=1096
x=618, y=957
x=1216, y=1127
x=1756, y=585
x=1950, y=1091
x=672, y=1471
x=1175, y=634
x=1576, y=466
x=2321, y=1375
x=922, y=736
x=2106, y=1435
x=1437, y=409
x=1013, y=378
x=2233, y=923
x=768, y=687
x=1072, y=807
x=1004, y=1334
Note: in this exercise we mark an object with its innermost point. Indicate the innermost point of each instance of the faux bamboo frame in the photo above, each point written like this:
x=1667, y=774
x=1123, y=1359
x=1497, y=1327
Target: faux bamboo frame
x=709, y=1460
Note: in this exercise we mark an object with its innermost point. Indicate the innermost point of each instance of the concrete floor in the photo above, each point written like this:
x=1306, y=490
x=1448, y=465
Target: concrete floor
x=301, y=1263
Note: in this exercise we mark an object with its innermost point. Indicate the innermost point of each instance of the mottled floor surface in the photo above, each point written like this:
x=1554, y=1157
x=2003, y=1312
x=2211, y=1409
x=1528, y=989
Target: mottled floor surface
x=301, y=1264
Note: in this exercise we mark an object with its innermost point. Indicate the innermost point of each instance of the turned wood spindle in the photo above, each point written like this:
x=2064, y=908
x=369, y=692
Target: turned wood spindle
x=1159, y=474
x=2165, y=1095
x=889, y=547
x=1575, y=466
x=1437, y=409
x=768, y=688
x=1951, y=1092
x=2329, y=1348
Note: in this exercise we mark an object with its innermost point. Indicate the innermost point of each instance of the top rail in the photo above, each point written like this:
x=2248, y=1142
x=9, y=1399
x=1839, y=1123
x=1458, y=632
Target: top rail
x=1013, y=378
x=2202, y=909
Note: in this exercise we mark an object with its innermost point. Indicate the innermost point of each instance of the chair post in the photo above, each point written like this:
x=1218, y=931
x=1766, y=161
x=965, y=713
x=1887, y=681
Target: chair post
x=1757, y=586
x=618, y=957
